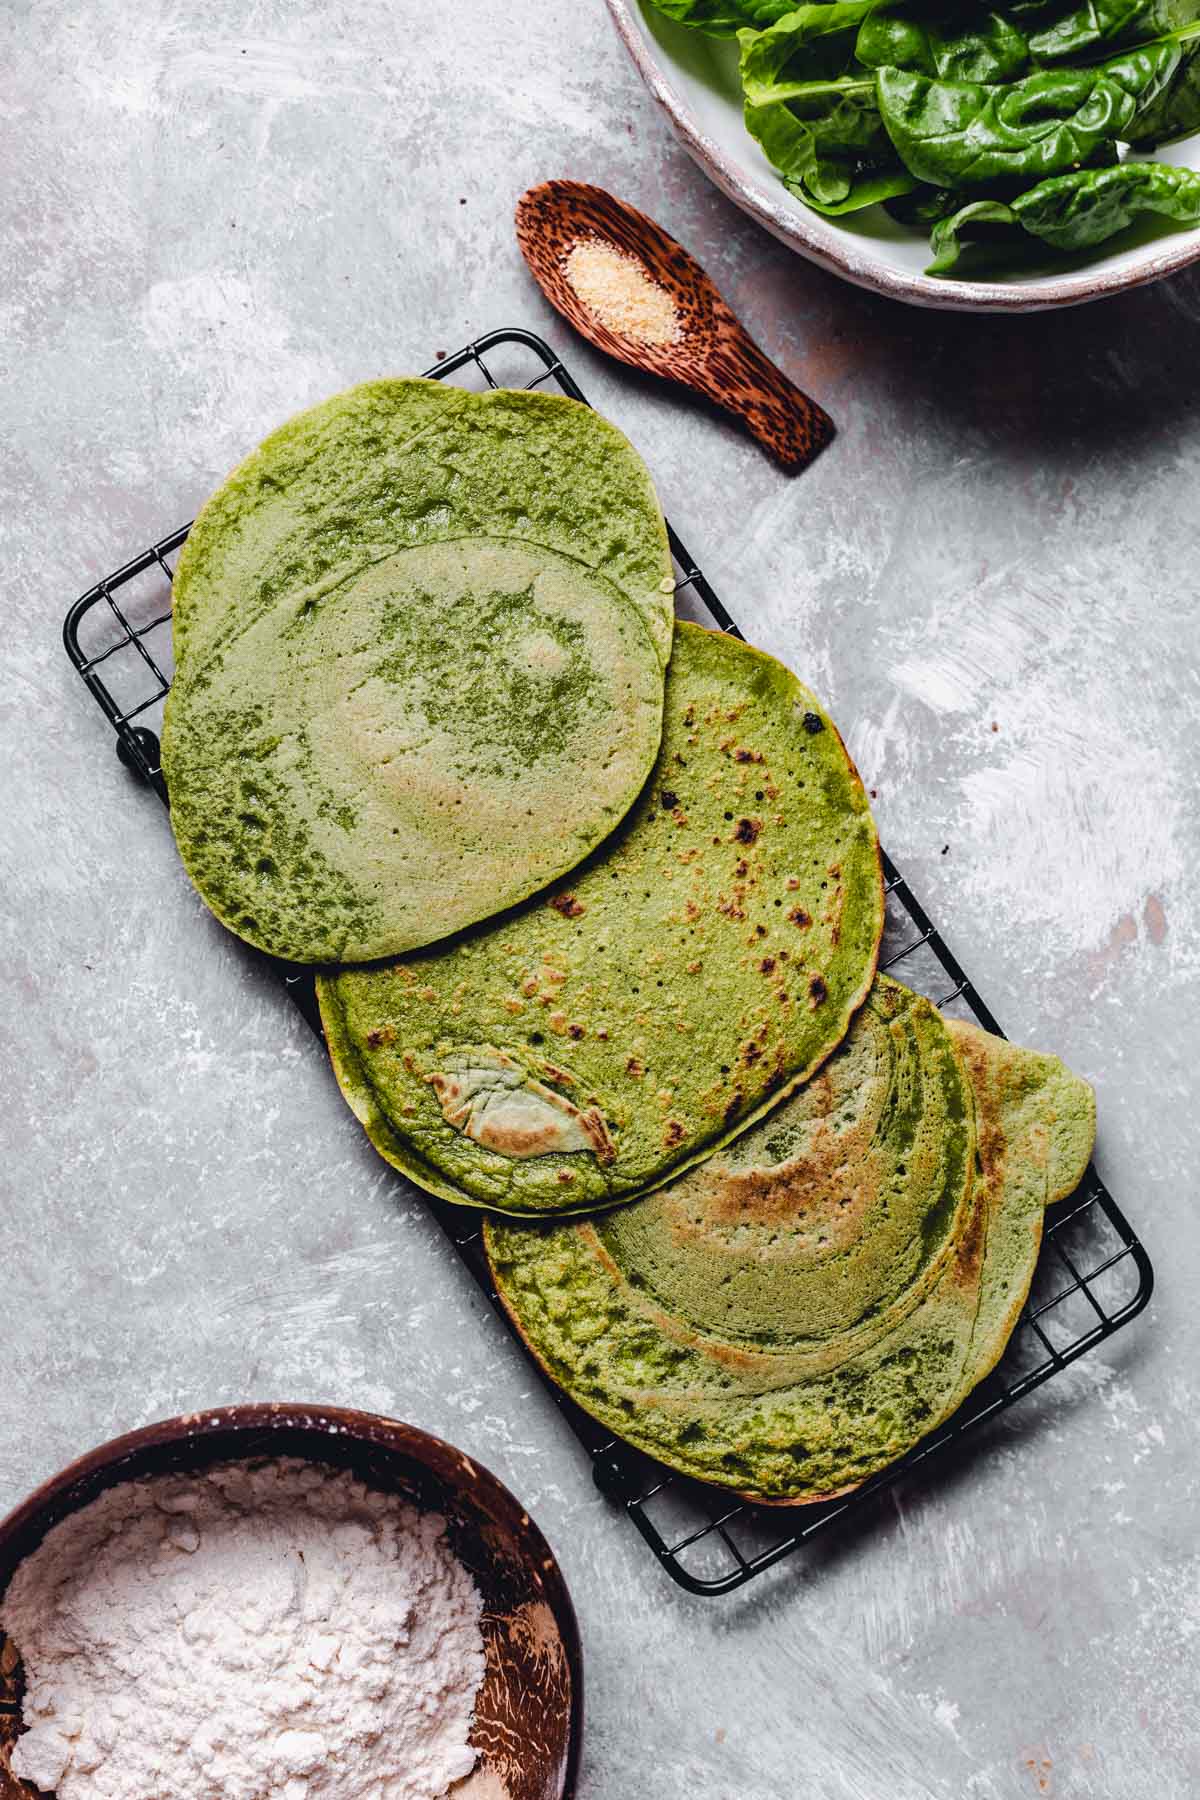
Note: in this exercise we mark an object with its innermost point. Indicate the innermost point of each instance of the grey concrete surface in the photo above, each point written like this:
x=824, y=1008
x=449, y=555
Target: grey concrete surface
x=215, y=213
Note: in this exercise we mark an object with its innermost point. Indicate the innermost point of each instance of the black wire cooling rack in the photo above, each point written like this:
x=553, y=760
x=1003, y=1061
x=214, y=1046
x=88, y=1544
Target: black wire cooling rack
x=1093, y=1275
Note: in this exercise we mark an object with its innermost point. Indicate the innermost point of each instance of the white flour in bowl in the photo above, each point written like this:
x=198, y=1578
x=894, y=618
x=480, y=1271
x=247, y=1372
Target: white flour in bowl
x=258, y=1631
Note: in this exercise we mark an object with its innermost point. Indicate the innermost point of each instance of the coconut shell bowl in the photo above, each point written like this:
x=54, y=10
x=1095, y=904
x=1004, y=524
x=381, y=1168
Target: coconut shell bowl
x=529, y=1712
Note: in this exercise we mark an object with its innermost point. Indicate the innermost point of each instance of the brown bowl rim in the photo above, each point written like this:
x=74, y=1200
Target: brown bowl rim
x=376, y=1429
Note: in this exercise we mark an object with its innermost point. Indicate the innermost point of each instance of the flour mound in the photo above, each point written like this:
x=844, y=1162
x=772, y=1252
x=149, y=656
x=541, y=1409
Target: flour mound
x=261, y=1631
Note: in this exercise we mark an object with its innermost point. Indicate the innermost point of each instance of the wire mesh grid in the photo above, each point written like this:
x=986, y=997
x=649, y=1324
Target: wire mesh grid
x=1093, y=1275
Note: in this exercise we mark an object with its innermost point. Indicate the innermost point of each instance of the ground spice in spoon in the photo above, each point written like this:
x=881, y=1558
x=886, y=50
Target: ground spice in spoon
x=617, y=289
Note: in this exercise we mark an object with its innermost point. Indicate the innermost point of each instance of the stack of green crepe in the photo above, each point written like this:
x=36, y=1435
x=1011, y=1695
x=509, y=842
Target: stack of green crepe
x=1004, y=126
x=600, y=904
x=819, y=1255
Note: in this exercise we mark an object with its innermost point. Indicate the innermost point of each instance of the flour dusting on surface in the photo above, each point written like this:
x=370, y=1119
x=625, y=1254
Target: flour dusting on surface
x=1070, y=819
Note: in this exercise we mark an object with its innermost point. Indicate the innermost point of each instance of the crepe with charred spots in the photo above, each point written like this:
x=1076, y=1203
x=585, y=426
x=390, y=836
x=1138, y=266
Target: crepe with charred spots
x=704, y=961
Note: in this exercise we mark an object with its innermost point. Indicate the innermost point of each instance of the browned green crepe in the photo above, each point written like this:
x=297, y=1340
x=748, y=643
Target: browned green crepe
x=620, y=1026
x=803, y=1308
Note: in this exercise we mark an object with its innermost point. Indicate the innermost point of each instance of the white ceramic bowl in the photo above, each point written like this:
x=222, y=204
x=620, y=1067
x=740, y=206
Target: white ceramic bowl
x=694, y=80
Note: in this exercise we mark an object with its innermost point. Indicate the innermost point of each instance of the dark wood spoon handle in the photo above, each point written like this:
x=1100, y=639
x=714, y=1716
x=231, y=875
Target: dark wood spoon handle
x=739, y=377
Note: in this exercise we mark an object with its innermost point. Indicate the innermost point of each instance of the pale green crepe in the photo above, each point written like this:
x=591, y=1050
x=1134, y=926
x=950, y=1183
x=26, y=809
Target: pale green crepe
x=404, y=461
x=801, y=1310
x=623, y=1024
x=419, y=638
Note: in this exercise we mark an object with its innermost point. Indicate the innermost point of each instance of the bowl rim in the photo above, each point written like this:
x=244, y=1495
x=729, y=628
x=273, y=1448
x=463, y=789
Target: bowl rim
x=374, y=1429
x=823, y=245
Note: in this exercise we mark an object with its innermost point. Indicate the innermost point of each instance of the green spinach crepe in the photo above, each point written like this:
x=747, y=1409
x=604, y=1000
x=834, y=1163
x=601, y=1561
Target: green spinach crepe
x=700, y=965
x=798, y=1312
x=420, y=638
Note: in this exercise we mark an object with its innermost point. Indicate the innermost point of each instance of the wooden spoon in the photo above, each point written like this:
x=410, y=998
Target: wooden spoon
x=712, y=352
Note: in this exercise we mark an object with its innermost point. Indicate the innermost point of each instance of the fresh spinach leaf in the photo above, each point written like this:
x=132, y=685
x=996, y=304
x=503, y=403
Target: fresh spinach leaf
x=1071, y=212
x=1100, y=25
x=724, y=18
x=813, y=43
x=889, y=39
x=868, y=187
x=988, y=48
x=1004, y=43
x=923, y=205
x=945, y=240
x=812, y=108
x=1075, y=212
x=969, y=134
x=830, y=147
x=1174, y=113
